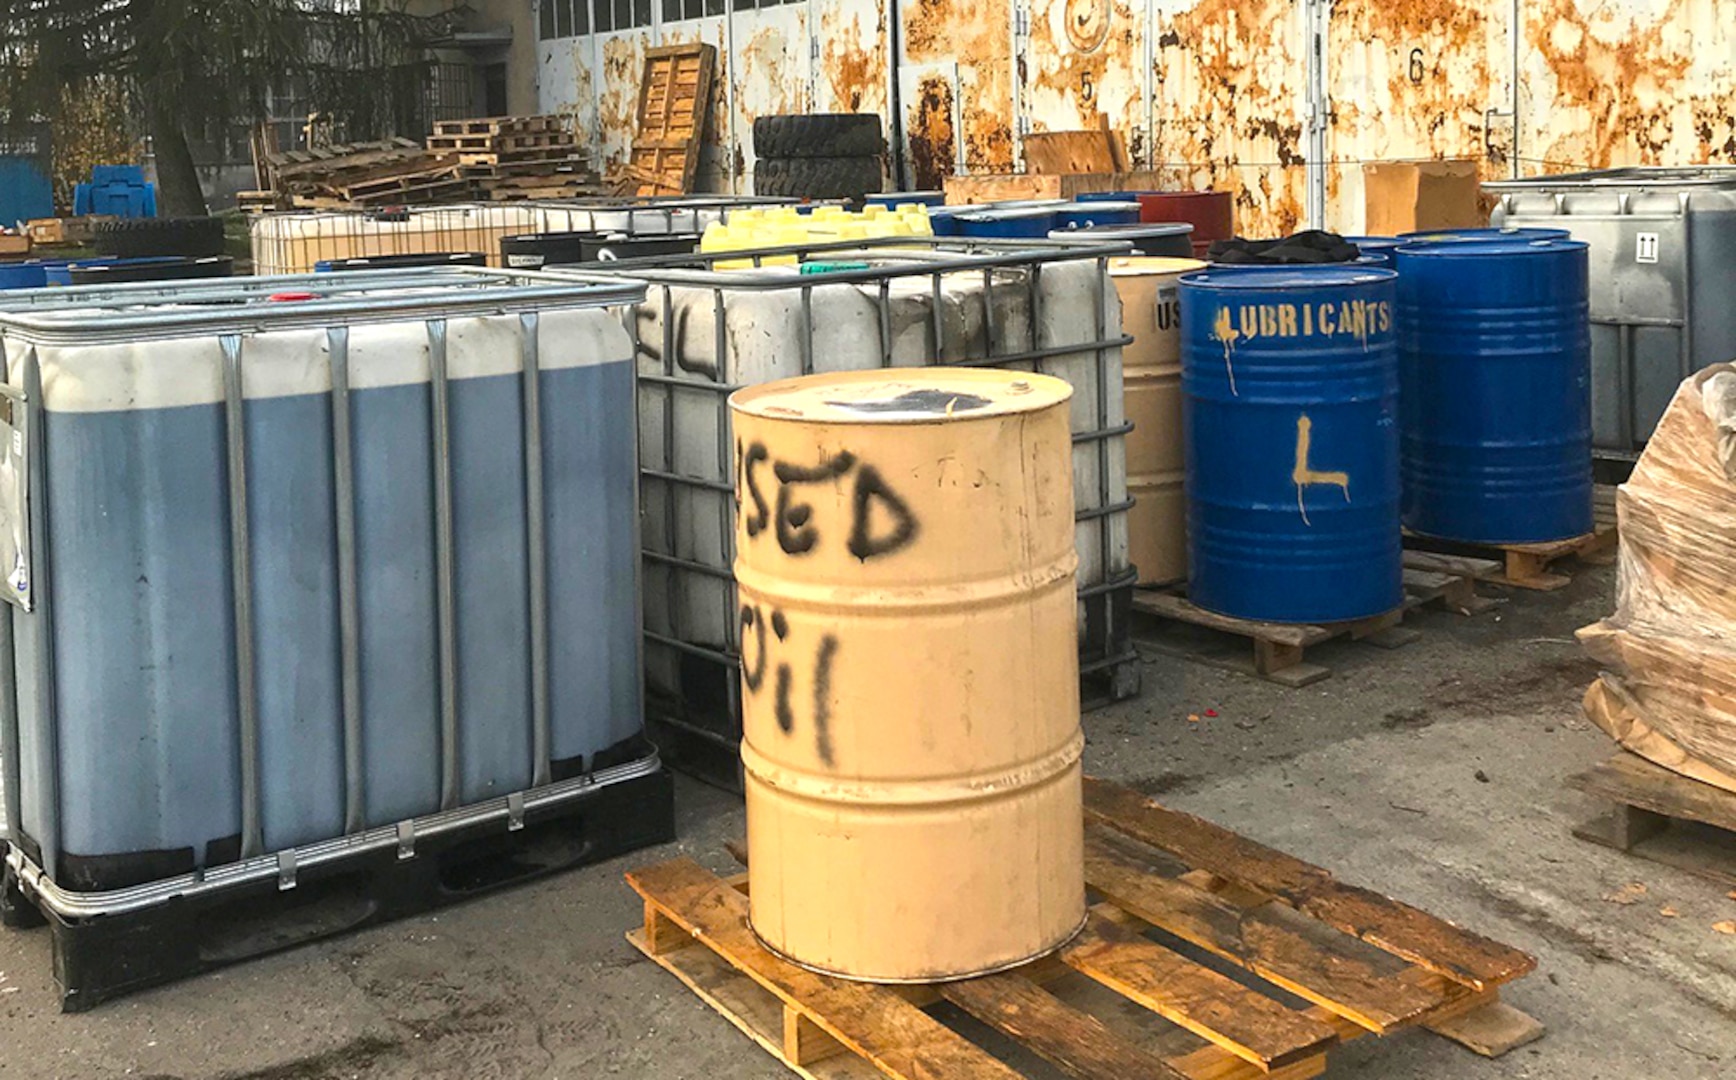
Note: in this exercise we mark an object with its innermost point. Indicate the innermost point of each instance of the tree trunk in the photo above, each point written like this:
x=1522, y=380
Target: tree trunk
x=178, y=191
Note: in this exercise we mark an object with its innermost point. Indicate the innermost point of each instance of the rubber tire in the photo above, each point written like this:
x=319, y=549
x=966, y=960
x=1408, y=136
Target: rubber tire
x=132, y=238
x=818, y=178
x=823, y=135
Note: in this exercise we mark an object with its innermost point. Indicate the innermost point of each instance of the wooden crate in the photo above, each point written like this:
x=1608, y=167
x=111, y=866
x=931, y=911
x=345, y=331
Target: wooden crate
x=1279, y=650
x=14, y=246
x=1663, y=816
x=1360, y=962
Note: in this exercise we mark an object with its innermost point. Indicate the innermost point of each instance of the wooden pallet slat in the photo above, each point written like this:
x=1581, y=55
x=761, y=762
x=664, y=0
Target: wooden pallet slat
x=1257, y=940
x=1389, y=924
x=874, y=1022
x=1075, y=1042
x=1212, y=1006
x=1661, y=815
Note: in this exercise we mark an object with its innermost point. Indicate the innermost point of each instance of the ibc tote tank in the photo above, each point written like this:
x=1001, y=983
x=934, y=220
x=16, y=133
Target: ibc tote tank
x=910, y=670
x=1495, y=363
x=1290, y=392
x=187, y=693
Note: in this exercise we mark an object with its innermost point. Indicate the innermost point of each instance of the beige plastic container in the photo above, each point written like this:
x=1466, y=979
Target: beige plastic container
x=1150, y=314
x=906, y=561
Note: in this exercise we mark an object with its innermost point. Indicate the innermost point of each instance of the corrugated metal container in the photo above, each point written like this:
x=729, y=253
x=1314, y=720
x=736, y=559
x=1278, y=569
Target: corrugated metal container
x=307, y=558
x=1290, y=384
x=1662, y=244
x=1496, y=371
x=1019, y=305
x=912, y=743
x=1156, y=462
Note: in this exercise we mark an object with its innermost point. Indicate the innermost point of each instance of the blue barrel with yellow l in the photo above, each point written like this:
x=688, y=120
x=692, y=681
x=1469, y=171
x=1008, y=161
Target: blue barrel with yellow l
x=1290, y=405
x=1495, y=364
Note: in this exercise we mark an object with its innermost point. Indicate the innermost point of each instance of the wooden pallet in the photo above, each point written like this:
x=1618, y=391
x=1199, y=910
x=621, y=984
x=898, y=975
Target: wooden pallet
x=1533, y=566
x=499, y=144
x=1663, y=816
x=1359, y=963
x=501, y=125
x=674, y=107
x=1279, y=649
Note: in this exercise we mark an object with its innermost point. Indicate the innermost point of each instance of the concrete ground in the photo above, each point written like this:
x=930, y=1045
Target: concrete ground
x=1432, y=773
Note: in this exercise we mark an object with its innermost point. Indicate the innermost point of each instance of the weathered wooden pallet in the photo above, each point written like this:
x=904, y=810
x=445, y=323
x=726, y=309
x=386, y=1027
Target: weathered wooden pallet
x=499, y=144
x=1662, y=816
x=1118, y=1002
x=500, y=125
x=1279, y=649
x=1535, y=566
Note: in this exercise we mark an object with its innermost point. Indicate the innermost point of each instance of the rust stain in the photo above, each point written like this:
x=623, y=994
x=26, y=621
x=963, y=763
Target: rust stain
x=853, y=60
x=1629, y=84
x=1229, y=77
x=933, y=143
x=1084, y=59
x=976, y=34
x=618, y=106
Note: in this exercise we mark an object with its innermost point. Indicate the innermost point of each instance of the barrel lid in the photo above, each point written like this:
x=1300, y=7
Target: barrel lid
x=1016, y=213
x=1141, y=266
x=1484, y=247
x=1317, y=276
x=902, y=396
x=1440, y=236
x=1378, y=242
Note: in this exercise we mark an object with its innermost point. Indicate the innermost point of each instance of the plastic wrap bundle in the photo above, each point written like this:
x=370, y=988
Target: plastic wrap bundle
x=1669, y=689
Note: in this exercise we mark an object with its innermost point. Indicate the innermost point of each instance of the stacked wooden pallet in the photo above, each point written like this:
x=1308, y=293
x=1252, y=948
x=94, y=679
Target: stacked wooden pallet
x=516, y=157
x=505, y=157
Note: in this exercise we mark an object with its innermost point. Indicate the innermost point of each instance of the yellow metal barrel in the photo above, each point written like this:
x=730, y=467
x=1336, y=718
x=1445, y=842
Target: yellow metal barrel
x=1150, y=314
x=906, y=560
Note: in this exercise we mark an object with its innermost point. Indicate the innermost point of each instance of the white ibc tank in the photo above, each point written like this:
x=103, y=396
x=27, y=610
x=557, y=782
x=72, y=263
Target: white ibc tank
x=701, y=334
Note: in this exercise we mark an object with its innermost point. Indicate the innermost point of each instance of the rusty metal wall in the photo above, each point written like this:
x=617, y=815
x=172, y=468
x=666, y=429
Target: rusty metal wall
x=1209, y=92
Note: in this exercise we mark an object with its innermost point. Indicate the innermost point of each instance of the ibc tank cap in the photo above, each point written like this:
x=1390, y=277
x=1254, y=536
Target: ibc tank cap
x=292, y=297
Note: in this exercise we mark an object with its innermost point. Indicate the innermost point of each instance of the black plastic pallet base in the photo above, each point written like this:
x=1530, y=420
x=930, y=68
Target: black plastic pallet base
x=102, y=958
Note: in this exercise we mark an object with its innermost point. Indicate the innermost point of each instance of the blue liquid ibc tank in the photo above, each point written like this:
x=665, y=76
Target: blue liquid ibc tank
x=1495, y=346
x=131, y=718
x=1290, y=408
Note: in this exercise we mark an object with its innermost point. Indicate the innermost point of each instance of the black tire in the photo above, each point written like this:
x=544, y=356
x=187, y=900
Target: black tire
x=825, y=135
x=817, y=178
x=133, y=238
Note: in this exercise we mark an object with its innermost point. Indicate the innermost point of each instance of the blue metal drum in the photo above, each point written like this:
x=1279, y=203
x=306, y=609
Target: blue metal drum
x=23, y=275
x=1085, y=215
x=1442, y=235
x=1376, y=247
x=1110, y=196
x=1290, y=408
x=907, y=198
x=1024, y=223
x=1495, y=346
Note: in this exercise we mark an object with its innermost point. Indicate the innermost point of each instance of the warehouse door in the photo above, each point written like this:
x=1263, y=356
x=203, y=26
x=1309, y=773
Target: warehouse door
x=1409, y=79
x=1078, y=60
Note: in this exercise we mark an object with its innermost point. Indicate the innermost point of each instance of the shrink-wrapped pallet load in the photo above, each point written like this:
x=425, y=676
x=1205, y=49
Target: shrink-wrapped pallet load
x=1668, y=691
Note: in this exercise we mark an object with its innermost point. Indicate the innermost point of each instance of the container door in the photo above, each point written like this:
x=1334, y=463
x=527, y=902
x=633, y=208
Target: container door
x=567, y=67
x=1079, y=60
x=1228, y=90
x=955, y=68
x=1406, y=81
x=769, y=73
x=686, y=22
x=853, y=50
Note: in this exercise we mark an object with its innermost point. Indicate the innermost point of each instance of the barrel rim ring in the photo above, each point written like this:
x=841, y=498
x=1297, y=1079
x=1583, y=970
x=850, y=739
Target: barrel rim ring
x=918, y=980
x=752, y=401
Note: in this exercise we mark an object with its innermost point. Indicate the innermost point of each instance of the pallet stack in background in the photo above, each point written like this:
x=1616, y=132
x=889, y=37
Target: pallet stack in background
x=484, y=159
